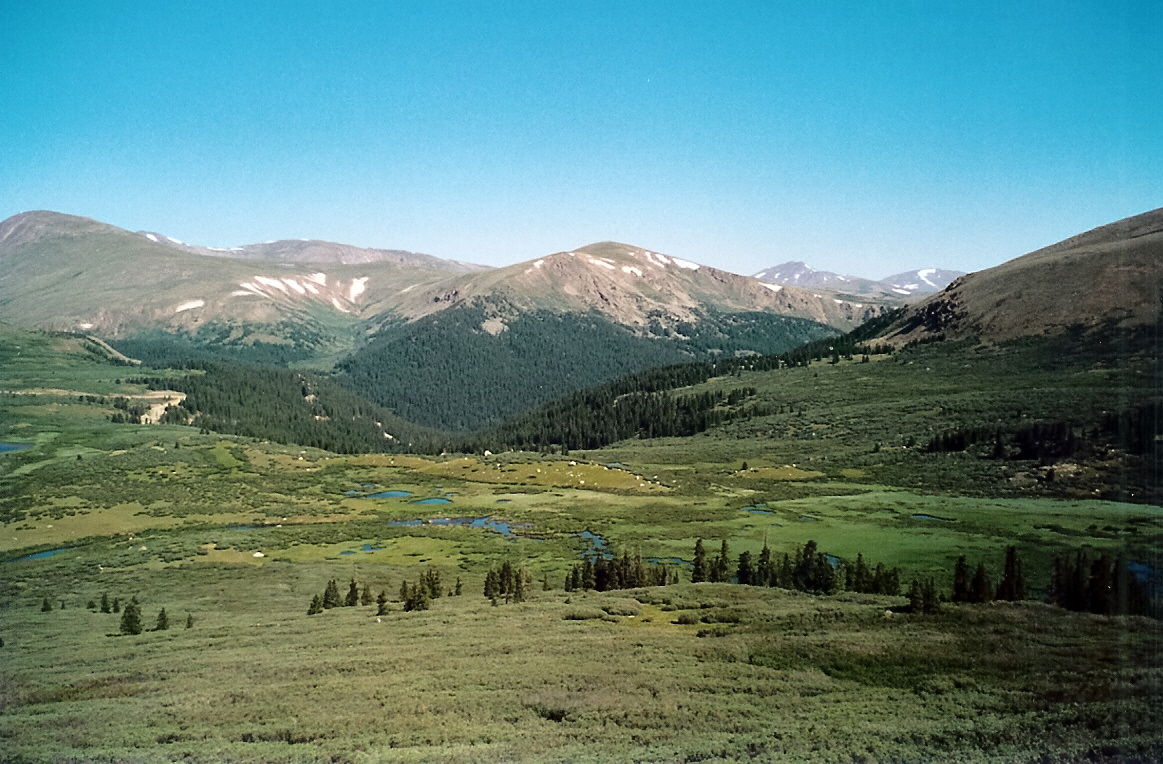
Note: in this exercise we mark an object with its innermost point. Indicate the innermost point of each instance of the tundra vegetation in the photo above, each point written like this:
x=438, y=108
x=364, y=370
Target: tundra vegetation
x=819, y=574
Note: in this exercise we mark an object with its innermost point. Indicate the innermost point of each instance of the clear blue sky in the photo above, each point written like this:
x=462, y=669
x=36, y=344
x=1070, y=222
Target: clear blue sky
x=863, y=137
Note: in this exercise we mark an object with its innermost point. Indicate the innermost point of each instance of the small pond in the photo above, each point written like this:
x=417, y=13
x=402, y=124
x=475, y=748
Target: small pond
x=597, y=545
x=392, y=494
x=487, y=523
x=932, y=517
x=6, y=448
x=41, y=555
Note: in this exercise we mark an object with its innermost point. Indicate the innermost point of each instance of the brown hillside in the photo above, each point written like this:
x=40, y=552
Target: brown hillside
x=1109, y=276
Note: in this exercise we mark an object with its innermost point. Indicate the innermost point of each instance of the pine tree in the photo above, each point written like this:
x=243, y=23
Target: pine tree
x=961, y=580
x=862, y=579
x=382, y=603
x=1013, y=584
x=721, y=566
x=316, y=605
x=352, y=598
x=492, y=586
x=765, y=573
x=189, y=620
x=163, y=621
x=45, y=606
x=979, y=588
x=365, y=596
x=745, y=573
x=116, y=605
x=331, y=595
x=105, y=603
x=131, y=618
x=699, y=566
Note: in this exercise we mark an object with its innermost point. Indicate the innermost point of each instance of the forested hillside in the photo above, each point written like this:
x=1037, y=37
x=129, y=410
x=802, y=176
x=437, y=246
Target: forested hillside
x=286, y=406
x=467, y=368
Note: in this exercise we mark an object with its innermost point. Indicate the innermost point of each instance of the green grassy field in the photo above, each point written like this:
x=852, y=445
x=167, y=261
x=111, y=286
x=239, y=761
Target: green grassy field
x=239, y=535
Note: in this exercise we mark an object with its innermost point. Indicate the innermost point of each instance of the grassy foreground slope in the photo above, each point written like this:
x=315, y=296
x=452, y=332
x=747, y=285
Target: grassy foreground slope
x=238, y=535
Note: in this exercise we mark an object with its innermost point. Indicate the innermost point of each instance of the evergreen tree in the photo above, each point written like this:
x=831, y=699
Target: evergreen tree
x=699, y=566
x=116, y=605
x=492, y=585
x=745, y=573
x=521, y=582
x=131, y=618
x=331, y=595
x=417, y=597
x=163, y=621
x=923, y=597
x=189, y=620
x=459, y=587
x=961, y=580
x=45, y=606
x=979, y=588
x=862, y=578
x=382, y=603
x=352, y=598
x=430, y=579
x=105, y=607
x=1013, y=584
x=92, y=605
x=721, y=566
x=765, y=572
x=365, y=596
x=316, y=605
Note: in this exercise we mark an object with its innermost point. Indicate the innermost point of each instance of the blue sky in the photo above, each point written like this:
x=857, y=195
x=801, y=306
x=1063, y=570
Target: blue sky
x=862, y=137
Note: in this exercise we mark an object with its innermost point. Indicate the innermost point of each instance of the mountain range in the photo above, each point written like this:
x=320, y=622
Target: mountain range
x=457, y=346
x=900, y=286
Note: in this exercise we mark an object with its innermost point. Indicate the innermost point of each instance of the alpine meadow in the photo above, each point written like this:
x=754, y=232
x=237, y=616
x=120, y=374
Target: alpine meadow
x=323, y=504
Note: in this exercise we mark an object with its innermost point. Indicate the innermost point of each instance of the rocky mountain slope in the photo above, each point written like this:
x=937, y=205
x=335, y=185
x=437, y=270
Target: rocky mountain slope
x=64, y=272
x=1109, y=277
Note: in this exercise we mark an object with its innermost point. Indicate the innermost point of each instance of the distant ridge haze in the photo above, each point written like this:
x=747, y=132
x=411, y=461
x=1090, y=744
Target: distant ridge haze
x=904, y=285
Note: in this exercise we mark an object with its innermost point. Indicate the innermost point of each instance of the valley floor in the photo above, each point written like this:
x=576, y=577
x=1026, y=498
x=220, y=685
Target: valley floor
x=234, y=537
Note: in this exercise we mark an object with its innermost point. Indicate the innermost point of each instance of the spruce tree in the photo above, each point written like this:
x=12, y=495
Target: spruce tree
x=1013, y=584
x=721, y=566
x=745, y=573
x=163, y=621
x=131, y=618
x=316, y=605
x=352, y=598
x=765, y=573
x=331, y=595
x=116, y=605
x=189, y=620
x=365, y=596
x=979, y=588
x=961, y=580
x=382, y=603
x=45, y=606
x=699, y=566
x=105, y=607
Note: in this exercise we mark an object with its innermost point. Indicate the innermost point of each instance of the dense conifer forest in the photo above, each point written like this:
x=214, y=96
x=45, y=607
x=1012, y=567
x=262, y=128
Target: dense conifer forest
x=448, y=372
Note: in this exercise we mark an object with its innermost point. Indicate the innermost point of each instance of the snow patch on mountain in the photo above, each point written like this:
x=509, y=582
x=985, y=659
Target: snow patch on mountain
x=190, y=305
